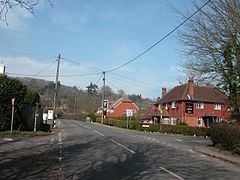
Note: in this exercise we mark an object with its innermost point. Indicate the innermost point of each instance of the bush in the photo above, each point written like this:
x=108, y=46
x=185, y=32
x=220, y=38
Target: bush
x=226, y=135
x=170, y=129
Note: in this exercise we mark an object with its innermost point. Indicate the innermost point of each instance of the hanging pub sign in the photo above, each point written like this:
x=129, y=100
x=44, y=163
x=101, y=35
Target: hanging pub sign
x=189, y=108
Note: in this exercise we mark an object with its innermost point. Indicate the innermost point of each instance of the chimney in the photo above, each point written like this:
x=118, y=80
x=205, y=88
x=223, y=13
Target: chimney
x=190, y=87
x=164, y=91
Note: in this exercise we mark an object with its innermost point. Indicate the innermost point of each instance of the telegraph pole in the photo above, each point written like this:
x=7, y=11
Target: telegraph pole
x=103, y=95
x=56, y=87
x=75, y=104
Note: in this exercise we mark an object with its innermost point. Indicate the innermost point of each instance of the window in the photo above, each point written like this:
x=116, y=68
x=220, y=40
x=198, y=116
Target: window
x=173, y=104
x=166, y=106
x=200, y=105
x=173, y=121
x=159, y=107
x=166, y=120
x=217, y=107
x=199, y=122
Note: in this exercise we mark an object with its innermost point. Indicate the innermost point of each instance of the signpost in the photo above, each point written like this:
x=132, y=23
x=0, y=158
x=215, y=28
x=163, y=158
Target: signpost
x=13, y=103
x=129, y=114
x=50, y=117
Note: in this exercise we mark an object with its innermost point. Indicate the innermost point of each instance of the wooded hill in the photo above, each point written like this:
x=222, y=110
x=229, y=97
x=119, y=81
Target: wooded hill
x=82, y=101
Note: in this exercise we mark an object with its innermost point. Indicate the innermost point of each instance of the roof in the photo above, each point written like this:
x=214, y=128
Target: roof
x=123, y=99
x=202, y=94
x=152, y=111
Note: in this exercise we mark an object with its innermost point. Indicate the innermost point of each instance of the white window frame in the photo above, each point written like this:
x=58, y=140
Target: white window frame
x=199, y=119
x=166, y=120
x=174, y=104
x=217, y=106
x=200, y=105
x=173, y=121
x=166, y=106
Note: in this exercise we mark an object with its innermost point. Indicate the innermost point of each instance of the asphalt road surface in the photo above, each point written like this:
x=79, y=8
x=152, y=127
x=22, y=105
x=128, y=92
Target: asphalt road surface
x=93, y=151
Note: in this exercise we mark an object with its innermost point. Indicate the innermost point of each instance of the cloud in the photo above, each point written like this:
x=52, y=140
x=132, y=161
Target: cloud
x=28, y=67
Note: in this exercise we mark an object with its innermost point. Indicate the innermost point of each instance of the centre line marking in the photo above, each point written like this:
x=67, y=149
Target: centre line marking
x=180, y=140
x=87, y=127
x=124, y=147
x=99, y=133
x=170, y=172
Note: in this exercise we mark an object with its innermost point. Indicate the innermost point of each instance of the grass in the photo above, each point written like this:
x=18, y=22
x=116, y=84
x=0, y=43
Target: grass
x=24, y=133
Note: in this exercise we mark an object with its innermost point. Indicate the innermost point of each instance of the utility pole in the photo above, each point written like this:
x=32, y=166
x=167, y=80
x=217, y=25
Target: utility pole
x=75, y=104
x=56, y=87
x=103, y=95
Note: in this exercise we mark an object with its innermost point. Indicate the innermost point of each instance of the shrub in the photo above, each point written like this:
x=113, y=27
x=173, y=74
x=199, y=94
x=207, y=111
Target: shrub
x=226, y=135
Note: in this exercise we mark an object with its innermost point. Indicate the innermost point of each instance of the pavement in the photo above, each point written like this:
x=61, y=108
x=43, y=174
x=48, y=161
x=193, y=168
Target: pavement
x=219, y=154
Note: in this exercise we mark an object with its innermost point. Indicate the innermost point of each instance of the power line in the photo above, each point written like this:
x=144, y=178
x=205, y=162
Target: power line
x=75, y=62
x=44, y=68
x=112, y=85
x=141, y=87
x=163, y=38
x=99, y=79
x=133, y=80
x=32, y=75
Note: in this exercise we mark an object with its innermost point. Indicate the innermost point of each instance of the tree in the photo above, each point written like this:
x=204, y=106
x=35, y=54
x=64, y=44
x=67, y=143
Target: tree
x=11, y=88
x=212, y=44
x=92, y=89
x=7, y=5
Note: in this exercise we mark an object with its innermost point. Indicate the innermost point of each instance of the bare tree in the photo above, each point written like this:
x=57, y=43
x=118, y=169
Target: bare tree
x=211, y=42
x=28, y=5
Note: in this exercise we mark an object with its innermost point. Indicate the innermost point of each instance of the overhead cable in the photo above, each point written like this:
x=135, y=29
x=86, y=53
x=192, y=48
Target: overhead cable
x=163, y=38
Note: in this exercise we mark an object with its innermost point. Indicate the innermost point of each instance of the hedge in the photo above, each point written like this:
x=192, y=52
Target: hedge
x=170, y=129
x=226, y=135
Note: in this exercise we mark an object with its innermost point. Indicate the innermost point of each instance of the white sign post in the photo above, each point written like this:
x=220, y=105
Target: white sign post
x=50, y=117
x=13, y=103
x=129, y=114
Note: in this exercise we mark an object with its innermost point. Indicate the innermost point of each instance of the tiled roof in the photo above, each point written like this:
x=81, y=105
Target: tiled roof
x=123, y=99
x=203, y=94
x=152, y=111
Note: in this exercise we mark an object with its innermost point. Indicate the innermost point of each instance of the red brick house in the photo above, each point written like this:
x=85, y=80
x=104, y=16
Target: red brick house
x=118, y=108
x=194, y=105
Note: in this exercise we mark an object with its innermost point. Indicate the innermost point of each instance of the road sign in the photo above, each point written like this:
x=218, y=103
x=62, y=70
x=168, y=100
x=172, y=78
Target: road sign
x=105, y=103
x=129, y=112
x=13, y=101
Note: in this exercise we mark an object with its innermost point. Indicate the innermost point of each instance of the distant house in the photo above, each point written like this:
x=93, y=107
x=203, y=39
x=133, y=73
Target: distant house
x=119, y=107
x=194, y=105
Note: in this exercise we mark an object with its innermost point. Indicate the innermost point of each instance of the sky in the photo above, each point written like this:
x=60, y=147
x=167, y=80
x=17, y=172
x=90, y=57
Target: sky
x=93, y=36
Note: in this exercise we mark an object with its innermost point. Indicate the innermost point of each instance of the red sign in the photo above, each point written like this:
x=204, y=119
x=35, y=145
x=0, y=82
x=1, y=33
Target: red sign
x=13, y=101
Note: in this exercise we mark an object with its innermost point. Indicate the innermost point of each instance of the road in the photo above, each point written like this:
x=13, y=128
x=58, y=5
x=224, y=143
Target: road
x=93, y=151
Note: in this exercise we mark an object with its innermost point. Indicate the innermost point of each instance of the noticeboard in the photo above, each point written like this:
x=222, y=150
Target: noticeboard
x=189, y=108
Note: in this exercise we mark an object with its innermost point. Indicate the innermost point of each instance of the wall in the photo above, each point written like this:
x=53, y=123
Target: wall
x=120, y=110
x=191, y=119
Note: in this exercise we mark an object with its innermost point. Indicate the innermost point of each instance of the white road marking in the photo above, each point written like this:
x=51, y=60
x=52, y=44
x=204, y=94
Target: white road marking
x=52, y=139
x=180, y=140
x=60, y=159
x=99, y=133
x=8, y=139
x=123, y=147
x=170, y=172
x=87, y=127
x=203, y=155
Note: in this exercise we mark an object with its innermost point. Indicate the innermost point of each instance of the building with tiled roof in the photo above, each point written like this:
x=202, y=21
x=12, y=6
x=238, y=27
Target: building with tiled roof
x=189, y=103
x=119, y=107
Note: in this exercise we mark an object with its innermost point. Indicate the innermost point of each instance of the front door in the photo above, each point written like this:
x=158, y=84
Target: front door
x=208, y=121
